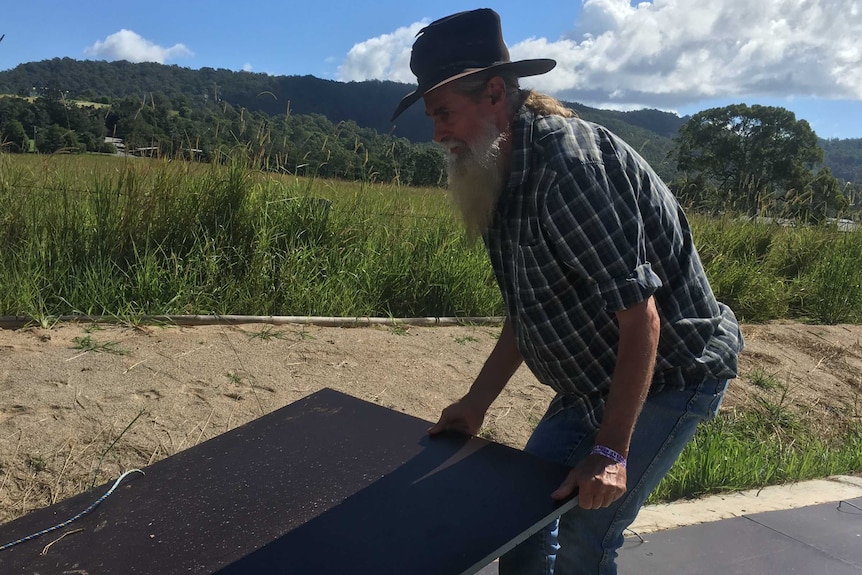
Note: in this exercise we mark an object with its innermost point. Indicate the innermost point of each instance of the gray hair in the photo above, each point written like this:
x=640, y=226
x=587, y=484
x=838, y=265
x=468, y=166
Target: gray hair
x=474, y=85
x=541, y=104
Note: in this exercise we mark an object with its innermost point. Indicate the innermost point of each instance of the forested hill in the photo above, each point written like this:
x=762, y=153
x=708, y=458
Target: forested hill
x=369, y=104
x=844, y=157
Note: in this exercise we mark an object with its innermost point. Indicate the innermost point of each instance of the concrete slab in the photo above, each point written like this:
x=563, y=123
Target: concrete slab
x=726, y=505
x=791, y=540
x=736, y=546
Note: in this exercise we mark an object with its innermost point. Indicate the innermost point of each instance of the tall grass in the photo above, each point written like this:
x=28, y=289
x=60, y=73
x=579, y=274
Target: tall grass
x=767, y=271
x=131, y=236
x=135, y=236
x=767, y=445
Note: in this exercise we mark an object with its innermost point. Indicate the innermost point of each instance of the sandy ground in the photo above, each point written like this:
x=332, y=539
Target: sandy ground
x=82, y=403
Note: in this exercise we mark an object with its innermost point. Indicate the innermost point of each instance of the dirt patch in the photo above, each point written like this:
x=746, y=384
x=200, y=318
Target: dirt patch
x=812, y=370
x=81, y=404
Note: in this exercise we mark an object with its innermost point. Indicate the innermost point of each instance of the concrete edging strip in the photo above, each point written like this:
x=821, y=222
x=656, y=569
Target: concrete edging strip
x=15, y=322
x=726, y=505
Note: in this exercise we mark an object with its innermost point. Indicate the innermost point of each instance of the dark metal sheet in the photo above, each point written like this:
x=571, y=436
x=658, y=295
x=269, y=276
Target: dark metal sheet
x=329, y=484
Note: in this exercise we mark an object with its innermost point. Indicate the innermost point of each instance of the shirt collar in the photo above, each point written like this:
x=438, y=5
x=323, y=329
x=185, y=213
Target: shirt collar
x=522, y=137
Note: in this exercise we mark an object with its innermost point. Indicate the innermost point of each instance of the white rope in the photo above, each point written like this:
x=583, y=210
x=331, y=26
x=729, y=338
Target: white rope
x=76, y=517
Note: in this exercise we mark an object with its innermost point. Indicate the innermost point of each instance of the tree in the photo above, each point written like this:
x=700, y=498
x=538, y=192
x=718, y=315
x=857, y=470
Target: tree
x=52, y=139
x=753, y=154
x=14, y=136
x=429, y=166
x=821, y=197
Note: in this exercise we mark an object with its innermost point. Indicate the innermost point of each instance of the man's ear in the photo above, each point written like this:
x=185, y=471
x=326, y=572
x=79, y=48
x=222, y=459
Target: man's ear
x=495, y=89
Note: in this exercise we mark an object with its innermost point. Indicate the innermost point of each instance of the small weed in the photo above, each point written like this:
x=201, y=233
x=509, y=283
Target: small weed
x=465, y=339
x=488, y=433
x=37, y=463
x=87, y=343
x=759, y=378
x=398, y=330
x=113, y=443
x=268, y=333
x=303, y=334
x=233, y=377
x=775, y=416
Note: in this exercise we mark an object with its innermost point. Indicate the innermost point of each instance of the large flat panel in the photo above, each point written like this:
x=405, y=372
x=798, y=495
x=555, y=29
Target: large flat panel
x=329, y=484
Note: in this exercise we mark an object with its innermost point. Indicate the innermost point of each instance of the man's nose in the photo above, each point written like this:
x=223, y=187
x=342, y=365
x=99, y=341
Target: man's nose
x=440, y=133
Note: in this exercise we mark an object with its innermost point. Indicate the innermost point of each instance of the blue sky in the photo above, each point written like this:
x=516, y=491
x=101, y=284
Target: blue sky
x=677, y=55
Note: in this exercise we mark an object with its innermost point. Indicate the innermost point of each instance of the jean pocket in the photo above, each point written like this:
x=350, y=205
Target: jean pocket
x=715, y=389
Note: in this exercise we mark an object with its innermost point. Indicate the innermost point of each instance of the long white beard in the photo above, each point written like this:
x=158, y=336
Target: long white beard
x=476, y=178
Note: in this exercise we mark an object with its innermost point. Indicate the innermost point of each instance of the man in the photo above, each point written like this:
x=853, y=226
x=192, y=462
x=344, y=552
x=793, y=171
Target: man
x=606, y=298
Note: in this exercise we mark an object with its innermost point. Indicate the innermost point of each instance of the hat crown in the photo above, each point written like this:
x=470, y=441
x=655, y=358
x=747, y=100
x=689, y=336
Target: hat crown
x=460, y=45
x=457, y=43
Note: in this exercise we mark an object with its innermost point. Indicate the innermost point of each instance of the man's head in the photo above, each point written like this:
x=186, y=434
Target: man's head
x=461, y=45
x=470, y=87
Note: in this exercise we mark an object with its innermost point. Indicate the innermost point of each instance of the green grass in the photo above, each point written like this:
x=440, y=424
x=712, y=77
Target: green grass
x=132, y=236
x=767, y=272
x=87, y=343
x=128, y=237
x=767, y=381
x=268, y=333
x=753, y=449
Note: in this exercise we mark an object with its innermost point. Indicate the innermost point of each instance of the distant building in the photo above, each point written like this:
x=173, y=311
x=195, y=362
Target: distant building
x=146, y=151
x=118, y=143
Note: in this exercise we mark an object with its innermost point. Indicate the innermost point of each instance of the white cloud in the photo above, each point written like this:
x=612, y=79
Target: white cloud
x=127, y=45
x=674, y=52
x=247, y=67
x=671, y=53
x=386, y=57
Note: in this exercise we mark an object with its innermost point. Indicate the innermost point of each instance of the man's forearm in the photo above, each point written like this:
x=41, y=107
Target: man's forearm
x=639, y=334
x=498, y=369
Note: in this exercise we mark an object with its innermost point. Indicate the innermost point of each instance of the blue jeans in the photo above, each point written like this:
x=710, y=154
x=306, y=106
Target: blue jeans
x=586, y=541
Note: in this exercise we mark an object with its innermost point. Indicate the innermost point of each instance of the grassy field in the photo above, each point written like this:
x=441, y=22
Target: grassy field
x=767, y=445
x=127, y=237
x=133, y=236
x=79, y=103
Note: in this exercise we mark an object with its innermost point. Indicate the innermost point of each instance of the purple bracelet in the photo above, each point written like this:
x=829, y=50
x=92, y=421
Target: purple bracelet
x=609, y=453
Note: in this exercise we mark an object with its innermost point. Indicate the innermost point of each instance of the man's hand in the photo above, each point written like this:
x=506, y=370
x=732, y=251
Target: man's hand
x=597, y=480
x=466, y=414
x=463, y=415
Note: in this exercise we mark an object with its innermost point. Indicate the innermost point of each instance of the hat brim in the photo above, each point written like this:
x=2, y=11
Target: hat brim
x=521, y=68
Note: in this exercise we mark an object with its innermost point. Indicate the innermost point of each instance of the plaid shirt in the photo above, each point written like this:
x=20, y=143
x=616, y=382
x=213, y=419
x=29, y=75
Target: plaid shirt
x=585, y=229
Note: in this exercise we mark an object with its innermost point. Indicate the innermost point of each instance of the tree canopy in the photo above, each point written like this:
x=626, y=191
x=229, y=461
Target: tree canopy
x=755, y=159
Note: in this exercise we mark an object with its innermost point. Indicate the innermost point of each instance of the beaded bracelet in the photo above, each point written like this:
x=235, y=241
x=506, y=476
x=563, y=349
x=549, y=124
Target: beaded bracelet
x=609, y=453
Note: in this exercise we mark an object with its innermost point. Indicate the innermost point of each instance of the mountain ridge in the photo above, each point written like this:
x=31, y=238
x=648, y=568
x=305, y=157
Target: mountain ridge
x=367, y=103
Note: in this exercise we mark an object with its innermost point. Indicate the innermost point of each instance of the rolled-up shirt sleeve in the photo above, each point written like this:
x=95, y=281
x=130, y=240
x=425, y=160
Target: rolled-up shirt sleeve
x=593, y=222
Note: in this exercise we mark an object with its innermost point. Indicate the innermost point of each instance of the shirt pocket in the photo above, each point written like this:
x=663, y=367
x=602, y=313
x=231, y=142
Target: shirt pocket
x=543, y=282
x=564, y=317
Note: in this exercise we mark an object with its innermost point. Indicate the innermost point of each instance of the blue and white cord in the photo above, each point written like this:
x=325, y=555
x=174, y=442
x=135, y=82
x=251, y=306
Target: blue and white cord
x=76, y=517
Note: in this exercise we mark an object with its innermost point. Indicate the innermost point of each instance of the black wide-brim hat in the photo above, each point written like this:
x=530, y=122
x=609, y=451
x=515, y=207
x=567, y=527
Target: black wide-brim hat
x=460, y=45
